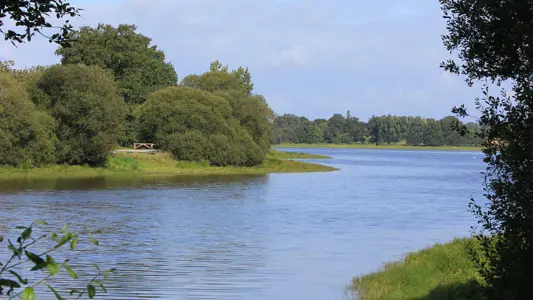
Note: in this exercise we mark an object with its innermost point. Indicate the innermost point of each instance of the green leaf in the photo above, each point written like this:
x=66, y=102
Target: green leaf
x=91, y=291
x=64, y=229
x=21, y=227
x=52, y=265
x=1, y=238
x=74, y=242
x=58, y=297
x=74, y=291
x=28, y=294
x=23, y=281
x=54, y=235
x=26, y=233
x=34, y=258
x=96, y=267
x=101, y=285
x=16, y=251
x=38, y=261
x=64, y=240
x=72, y=274
x=93, y=240
x=41, y=222
x=9, y=283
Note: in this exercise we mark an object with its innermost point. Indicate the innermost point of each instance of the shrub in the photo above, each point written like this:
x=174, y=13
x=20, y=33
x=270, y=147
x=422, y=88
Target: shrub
x=176, y=110
x=27, y=134
x=197, y=125
x=88, y=111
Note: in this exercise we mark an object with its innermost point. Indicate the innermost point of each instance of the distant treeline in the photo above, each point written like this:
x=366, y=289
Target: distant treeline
x=346, y=129
x=114, y=88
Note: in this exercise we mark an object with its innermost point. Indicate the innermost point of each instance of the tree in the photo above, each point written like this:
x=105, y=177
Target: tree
x=494, y=43
x=245, y=78
x=192, y=81
x=217, y=66
x=34, y=17
x=220, y=82
x=139, y=68
x=87, y=108
x=27, y=134
x=197, y=125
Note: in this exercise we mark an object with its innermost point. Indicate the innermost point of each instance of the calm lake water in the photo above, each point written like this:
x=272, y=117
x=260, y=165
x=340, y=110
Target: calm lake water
x=280, y=236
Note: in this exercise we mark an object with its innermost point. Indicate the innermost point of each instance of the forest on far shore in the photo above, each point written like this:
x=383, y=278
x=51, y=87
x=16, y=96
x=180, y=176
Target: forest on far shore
x=379, y=130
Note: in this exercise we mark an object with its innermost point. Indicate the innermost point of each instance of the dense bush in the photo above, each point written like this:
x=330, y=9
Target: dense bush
x=197, y=125
x=252, y=111
x=27, y=134
x=87, y=108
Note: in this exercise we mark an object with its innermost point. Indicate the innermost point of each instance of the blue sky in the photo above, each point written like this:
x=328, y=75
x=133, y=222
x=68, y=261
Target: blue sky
x=308, y=57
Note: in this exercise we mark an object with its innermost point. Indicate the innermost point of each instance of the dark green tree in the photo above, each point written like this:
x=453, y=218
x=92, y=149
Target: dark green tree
x=245, y=78
x=494, y=43
x=139, y=67
x=198, y=125
x=192, y=81
x=35, y=17
x=87, y=108
x=27, y=134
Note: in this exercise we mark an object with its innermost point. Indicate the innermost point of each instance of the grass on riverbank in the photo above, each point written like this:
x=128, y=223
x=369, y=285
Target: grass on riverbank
x=159, y=164
x=295, y=155
x=373, y=146
x=442, y=272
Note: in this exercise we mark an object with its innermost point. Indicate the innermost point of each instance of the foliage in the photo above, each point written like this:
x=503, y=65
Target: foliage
x=236, y=86
x=380, y=130
x=27, y=134
x=493, y=42
x=139, y=68
x=34, y=16
x=442, y=272
x=196, y=125
x=253, y=114
x=41, y=264
x=192, y=81
x=87, y=109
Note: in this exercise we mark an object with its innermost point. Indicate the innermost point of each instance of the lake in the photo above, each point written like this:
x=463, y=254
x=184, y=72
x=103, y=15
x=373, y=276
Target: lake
x=280, y=236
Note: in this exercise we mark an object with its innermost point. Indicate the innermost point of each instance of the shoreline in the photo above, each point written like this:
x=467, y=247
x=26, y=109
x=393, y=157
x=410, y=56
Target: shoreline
x=378, y=147
x=161, y=165
x=442, y=271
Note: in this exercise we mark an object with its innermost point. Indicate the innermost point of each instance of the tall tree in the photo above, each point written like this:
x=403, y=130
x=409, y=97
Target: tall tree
x=494, y=43
x=139, y=67
x=34, y=17
x=245, y=78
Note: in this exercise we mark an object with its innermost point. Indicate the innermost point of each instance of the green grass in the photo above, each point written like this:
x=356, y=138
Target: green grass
x=159, y=164
x=295, y=155
x=442, y=272
x=373, y=146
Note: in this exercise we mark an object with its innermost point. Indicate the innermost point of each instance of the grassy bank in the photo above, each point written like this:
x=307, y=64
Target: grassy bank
x=295, y=155
x=372, y=146
x=160, y=164
x=442, y=272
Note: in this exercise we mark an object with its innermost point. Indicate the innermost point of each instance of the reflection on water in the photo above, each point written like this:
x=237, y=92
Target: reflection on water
x=103, y=182
x=282, y=236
